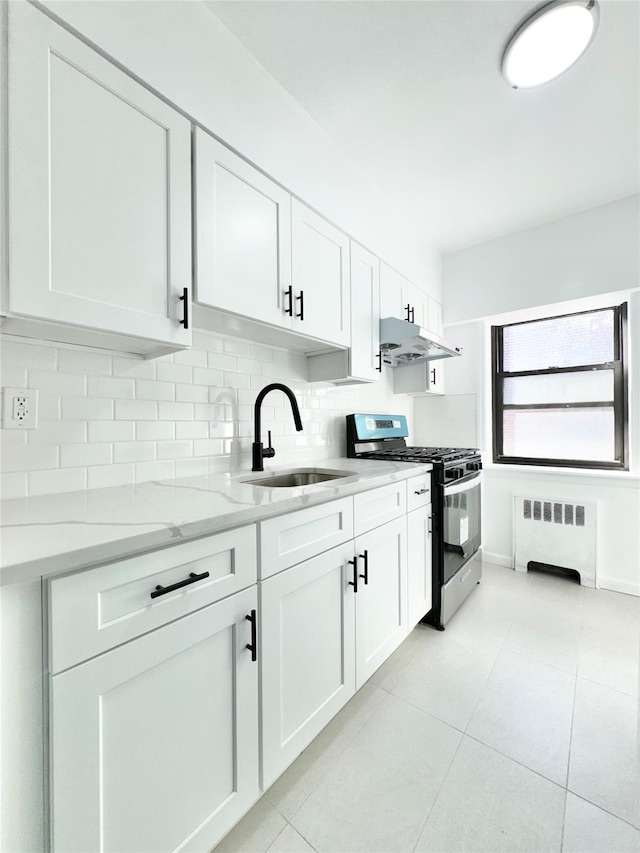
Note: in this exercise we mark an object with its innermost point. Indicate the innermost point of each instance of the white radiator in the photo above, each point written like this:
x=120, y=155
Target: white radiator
x=556, y=532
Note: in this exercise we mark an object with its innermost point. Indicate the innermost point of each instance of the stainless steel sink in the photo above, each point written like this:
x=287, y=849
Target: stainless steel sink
x=299, y=477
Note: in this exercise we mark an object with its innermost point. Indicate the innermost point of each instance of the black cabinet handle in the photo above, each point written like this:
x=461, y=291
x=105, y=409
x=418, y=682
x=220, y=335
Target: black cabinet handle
x=421, y=492
x=253, y=645
x=365, y=576
x=185, y=316
x=408, y=310
x=193, y=578
x=354, y=582
x=433, y=374
x=413, y=314
x=379, y=367
x=289, y=296
x=300, y=299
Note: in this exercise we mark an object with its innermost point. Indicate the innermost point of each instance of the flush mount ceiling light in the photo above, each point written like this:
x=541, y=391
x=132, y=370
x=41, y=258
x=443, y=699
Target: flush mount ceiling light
x=549, y=41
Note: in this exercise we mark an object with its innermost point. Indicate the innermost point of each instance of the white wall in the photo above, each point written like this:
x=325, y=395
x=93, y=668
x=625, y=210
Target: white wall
x=586, y=257
x=183, y=51
x=597, y=251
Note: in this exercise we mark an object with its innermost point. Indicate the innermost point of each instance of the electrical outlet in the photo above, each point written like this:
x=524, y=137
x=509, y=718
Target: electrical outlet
x=19, y=408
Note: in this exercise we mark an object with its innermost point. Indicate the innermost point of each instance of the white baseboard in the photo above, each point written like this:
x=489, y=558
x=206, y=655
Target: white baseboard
x=618, y=586
x=497, y=559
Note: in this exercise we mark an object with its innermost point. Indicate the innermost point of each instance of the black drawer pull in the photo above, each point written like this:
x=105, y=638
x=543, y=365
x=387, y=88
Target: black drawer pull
x=193, y=578
x=300, y=299
x=421, y=492
x=433, y=373
x=289, y=296
x=253, y=645
x=365, y=576
x=354, y=582
x=379, y=367
x=185, y=317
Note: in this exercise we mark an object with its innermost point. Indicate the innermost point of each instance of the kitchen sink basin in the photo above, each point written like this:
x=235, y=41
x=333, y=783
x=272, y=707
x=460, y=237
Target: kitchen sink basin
x=299, y=477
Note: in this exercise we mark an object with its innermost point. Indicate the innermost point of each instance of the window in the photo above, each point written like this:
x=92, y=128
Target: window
x=559, y=390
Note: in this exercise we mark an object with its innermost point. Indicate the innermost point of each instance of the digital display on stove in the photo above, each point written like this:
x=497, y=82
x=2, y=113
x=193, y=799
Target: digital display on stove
x=374, y=423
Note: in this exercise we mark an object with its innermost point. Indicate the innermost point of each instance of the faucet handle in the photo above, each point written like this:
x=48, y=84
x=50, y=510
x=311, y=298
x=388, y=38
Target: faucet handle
x=268, y=452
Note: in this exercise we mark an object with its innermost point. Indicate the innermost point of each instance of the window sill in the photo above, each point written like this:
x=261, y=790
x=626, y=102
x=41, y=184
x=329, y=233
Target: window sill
x=626, y=479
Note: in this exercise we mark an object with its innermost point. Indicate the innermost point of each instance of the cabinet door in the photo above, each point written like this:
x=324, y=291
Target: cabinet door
x=365, y=313
x=417, y=302
x=100, y=190
x=308, y=654
x=243, y=236
x=391, y=285
x=419, y=545
x=435, y=376
x=381, y=601
x=154, y=745
x=321, y=289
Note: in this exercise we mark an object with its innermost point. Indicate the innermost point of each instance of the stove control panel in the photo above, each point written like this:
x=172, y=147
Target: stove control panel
x=474, y=466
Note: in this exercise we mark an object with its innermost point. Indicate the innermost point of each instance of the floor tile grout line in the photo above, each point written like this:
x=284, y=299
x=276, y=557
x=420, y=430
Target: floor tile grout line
x=299, y=833
x=602, y=809
x=329, y=768
x=515, y=761
x=435, y=799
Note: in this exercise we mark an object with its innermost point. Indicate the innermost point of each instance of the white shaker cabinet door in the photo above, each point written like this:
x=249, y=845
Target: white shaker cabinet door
x=381, y=600
x=154, y=745
x=419, y=561
x=100, y=190
x=365, y=314
x=243, y=236
x=308, y=655
x=391, y=292
x=320, y=275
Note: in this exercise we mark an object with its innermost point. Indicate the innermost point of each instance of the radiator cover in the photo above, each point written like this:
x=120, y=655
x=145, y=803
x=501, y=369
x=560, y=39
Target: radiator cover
x=556, y=532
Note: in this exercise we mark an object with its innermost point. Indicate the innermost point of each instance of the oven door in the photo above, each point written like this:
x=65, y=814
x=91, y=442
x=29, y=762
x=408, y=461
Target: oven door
x=461, y=519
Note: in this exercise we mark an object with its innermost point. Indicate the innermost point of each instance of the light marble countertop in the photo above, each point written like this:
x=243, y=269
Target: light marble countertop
x=52, y=534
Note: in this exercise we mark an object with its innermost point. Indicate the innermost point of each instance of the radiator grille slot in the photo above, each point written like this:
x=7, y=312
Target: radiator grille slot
x=556, y=533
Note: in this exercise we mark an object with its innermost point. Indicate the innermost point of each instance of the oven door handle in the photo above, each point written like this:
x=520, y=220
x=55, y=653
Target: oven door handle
x=455, y=488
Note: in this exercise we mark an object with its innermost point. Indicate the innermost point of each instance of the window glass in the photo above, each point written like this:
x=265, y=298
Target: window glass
x=588, y=386
x=559, y=342
x=560, y=433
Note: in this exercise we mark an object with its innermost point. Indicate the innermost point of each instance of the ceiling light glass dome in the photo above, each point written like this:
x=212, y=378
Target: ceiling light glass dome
x=549, y=41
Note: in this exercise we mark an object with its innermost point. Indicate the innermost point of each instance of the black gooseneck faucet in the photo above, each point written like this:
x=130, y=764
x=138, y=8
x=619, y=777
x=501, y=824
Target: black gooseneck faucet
x=259, y=453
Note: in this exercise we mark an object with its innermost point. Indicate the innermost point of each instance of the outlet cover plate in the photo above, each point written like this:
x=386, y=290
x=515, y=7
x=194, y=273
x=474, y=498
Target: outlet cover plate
x=19, y=408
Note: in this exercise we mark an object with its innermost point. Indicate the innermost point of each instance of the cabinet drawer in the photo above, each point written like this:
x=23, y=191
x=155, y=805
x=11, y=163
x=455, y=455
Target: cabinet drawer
x=292, y=538
x=371, y=509
x=419, y=491
x=96, y=610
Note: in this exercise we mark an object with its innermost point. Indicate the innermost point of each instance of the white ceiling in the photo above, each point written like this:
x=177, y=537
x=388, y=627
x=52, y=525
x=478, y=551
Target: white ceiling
x=412, y=90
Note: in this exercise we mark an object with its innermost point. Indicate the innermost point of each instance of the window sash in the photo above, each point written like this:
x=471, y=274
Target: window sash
x=619, y=403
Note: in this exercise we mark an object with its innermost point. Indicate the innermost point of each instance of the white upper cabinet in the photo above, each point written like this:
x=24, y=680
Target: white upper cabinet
x=321, y=291
x=365, y=314
x=391, y=287
x=434, y=316
x=243, y=236
x=100, y=198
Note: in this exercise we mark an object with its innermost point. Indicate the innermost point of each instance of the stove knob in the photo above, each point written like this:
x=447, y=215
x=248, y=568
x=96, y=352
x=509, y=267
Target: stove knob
x=454, y=473
x=474, y=466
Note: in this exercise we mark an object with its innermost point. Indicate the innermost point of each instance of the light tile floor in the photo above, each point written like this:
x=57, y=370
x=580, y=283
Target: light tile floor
x=516, y=729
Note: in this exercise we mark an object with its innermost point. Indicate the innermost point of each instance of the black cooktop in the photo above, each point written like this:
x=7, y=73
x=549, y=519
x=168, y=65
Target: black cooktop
x=423, y=454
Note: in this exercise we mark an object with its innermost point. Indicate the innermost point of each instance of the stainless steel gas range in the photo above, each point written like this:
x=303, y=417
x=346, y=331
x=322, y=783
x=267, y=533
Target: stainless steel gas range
x=457, y=506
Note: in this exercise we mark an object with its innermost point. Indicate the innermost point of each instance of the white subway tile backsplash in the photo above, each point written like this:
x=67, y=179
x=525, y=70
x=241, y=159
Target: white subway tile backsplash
x=174, y=449
x=79, y=455
x=167, y=372
x=175, y=411
x=111, y=475
x=83, y=361
x=116, y=388
x=111, y=431
x=136, y=410
x=108, y=420
x=149, y=390
x=155, y=430
x=13, y=486
x=61, y=480
x=192, y=429
x=13, y=377
x=58, y=383
x=134, y=451
x=85, y=409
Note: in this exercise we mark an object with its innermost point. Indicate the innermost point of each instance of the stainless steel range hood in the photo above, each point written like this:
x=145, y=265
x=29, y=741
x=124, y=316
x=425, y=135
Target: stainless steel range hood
x=404, y=343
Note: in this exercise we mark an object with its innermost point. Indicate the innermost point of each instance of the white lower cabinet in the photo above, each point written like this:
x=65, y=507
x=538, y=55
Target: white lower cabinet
x=419, y=562
x=381, y=600
x=154, y=745
x=307, y=652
